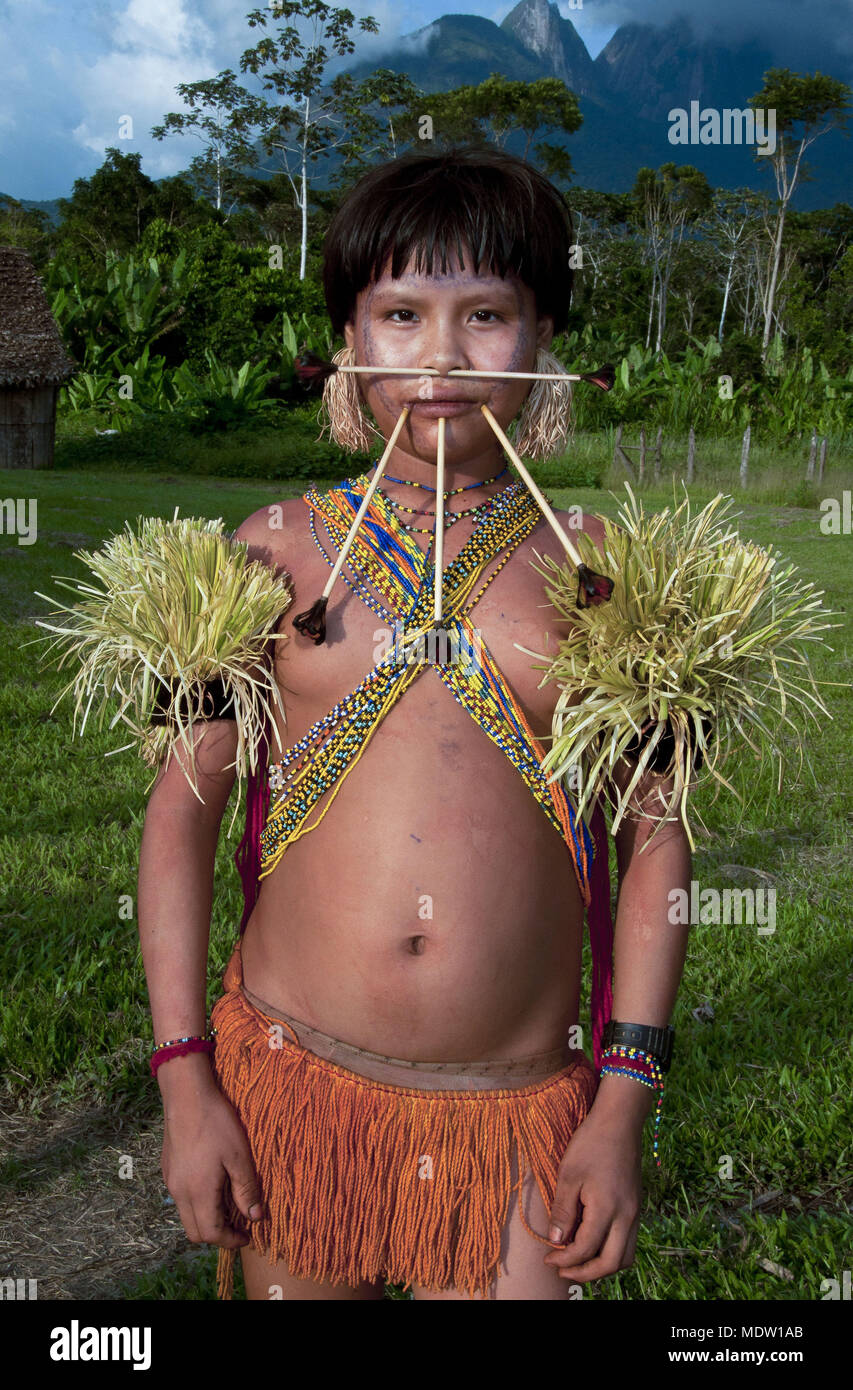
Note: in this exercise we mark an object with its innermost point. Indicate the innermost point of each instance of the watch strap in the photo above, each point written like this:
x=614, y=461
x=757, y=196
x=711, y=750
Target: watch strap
x=658, y=1041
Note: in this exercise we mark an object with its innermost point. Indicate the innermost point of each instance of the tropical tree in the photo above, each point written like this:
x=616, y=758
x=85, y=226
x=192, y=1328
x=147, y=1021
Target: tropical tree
x=600, y=221
x=732, y=225
x=267, y=212
x=365, y=109
x=495, y=110
x=109, y=211
x=806, y=107
x=546, y=105
x=298, y=126
x=665, y=204
x=27, y=228
x=818, y=302
x=223, y=115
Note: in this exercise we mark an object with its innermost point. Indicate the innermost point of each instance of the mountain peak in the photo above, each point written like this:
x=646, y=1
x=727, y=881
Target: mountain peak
x=539, y=26
x=534, y=21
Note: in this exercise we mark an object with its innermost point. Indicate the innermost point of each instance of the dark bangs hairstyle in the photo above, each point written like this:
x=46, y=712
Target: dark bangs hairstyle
x=510, y=216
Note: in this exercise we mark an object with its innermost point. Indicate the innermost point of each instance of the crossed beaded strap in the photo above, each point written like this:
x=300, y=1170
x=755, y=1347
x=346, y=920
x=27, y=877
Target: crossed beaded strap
x=331, y=748
x=300, y=755
x=333, y=745
x=404, y=566
x=489, y=700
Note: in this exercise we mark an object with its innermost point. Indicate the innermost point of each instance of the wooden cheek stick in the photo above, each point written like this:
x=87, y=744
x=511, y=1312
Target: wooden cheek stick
x=459, y=371
x=439, y=522
x=365, y=501
x=312, y=623
x=518, y=376
x=540, y=500
x=593, y=588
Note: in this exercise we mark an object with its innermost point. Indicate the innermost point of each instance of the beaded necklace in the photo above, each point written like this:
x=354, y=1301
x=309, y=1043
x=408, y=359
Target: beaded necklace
x=450, y=518
x=449, y=492
x=385, y=555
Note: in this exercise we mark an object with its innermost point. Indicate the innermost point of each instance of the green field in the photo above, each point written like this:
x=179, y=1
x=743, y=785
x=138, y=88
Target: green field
x=767, y=1082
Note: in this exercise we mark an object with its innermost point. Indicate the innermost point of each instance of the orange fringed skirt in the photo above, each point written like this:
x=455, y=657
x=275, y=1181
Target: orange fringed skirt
x=362, y=1179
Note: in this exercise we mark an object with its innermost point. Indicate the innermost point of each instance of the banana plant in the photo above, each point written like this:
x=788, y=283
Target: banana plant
x=128, y=310
x=223, y=396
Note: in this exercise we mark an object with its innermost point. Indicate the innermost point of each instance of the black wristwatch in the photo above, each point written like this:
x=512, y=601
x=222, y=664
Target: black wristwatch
x=657, y=1041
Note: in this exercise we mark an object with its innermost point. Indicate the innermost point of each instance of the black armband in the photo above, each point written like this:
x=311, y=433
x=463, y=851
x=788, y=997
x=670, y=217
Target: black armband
x=215, y=704
x=661, y=759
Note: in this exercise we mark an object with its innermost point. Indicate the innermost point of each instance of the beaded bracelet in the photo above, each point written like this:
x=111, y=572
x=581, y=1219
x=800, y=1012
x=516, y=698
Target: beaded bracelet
x=180, y=1047
x=639, y=1066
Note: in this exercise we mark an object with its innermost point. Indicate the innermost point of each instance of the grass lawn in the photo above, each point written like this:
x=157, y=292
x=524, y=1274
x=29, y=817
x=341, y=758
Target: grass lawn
x=753, y=1197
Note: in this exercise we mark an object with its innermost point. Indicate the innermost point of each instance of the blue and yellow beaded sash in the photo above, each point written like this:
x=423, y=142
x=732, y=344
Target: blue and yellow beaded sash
x=386, y=554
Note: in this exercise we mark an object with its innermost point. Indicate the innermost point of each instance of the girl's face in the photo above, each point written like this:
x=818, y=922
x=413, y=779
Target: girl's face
x=457, y=319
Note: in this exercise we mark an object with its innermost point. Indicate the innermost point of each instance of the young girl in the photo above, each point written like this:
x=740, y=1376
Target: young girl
x=398, y=1089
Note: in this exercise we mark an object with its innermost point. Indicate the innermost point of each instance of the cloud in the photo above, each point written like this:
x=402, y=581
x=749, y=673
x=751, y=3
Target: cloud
x=798, y=33
x=78, y=68
x=398, y=23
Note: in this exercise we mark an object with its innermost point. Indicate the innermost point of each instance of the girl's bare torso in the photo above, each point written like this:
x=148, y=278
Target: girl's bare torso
x=434, y=913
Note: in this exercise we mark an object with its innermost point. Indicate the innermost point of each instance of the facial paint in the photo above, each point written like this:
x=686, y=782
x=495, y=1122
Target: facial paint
x=369, y=350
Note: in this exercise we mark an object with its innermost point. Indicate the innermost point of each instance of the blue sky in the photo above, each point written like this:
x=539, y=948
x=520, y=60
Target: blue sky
x=71, y=69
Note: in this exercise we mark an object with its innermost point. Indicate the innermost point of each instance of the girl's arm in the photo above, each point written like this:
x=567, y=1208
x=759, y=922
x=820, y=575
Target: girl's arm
x=600, y=1174
x=648, y=949
x=175, y=893
x=204, y=1142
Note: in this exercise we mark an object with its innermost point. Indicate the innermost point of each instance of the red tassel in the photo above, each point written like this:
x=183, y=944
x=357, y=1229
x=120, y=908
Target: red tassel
x=311, y=370
x=604, y=377
x=593, y=588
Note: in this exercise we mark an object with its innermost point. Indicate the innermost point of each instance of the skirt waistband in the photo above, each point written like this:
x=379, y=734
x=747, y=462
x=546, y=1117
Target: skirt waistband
x=434, y=1075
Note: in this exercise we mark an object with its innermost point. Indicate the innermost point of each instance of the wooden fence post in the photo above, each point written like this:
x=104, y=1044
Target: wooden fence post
x=744, y=455
x=641, y=472
x=812, y=455
x=658, y=451
x=619, y=452
x=691, y=453
x=822, y=459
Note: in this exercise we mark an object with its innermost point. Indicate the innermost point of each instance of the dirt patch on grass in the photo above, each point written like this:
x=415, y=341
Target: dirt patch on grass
x=71, y=540
x=67, y=1217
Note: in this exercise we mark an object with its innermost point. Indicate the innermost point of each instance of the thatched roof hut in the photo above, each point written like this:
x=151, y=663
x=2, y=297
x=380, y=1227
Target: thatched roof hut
x=33, y=365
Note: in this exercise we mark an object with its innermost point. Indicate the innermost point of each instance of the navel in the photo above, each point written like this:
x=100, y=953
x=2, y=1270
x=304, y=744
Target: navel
x=416, y=945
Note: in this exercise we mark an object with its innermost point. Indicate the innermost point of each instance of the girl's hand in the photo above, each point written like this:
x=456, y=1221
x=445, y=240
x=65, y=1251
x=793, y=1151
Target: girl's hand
x=602, y=1170
x=204, y=1144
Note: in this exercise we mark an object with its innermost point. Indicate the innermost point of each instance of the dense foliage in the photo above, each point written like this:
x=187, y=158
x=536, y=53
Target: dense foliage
x=173, y=307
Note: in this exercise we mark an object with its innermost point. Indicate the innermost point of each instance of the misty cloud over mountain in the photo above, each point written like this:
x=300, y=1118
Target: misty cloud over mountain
x=797, y=33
